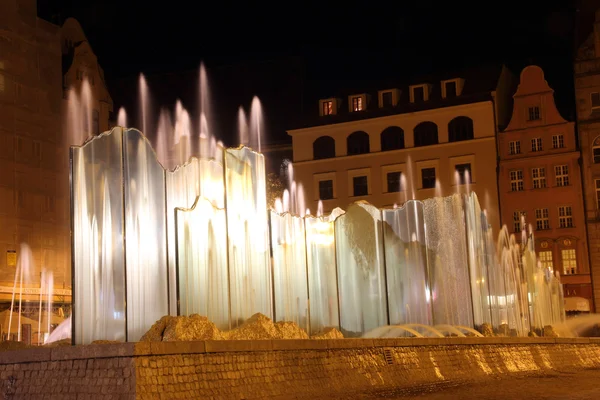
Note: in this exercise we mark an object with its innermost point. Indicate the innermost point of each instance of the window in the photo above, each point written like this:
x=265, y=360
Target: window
x=425, y=134
x=595, y=100
x=460, y=128
x=428, y=178
x=394, y=182
x=596, y=152
x=326, y=190
x=450, y=89
x=565, y=217
x=536, y=144
x=360, y=185
x=387, y=99
x=534, y=113
x=358, y=143
x=569, y=261
x=519, y=220
x=357, y=103
x=562, y=175
x=2, y=84
x=597, y=182
x=37, y=149
x=516, y=180
x=541, y=219
x=95, y=122
x=418, y=94
x=546, y=259
x=514, y=147
x=327, y=107
x=558, y=141
x=324, y=147
x=463, y=173
x=539, y=177
x=392, y=138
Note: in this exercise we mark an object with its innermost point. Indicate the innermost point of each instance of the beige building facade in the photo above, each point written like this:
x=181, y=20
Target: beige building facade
x=436, y=138
x=540, y=179
x=34, y=191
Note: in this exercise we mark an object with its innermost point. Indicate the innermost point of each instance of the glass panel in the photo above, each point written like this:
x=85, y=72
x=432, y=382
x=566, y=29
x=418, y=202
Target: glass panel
x=98, y=253
x=361, y=279
x=202, y=262
x=289, y=269
x=406, y=265
x=183, y=187
x=248, y=235
x=448, y=266
x=322, y=276
x=145, y=230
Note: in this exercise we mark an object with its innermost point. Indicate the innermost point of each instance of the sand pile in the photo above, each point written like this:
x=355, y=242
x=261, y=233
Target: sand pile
x=328, y=333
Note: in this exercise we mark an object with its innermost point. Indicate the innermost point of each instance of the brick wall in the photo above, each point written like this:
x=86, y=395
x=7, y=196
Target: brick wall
x=278, y=368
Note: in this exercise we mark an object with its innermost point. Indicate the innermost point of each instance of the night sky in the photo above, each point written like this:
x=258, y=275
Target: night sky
x=313, y=49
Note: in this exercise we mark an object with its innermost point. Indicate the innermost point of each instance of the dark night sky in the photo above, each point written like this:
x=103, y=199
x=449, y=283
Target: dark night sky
x=340, y=44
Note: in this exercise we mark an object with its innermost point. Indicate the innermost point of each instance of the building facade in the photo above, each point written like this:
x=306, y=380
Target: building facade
x=34, y=191
x=587, y=94
x=434, y=137
x=540, y=180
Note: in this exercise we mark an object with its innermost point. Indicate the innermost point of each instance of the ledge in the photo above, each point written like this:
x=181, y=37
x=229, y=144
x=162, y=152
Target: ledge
x=224, y=346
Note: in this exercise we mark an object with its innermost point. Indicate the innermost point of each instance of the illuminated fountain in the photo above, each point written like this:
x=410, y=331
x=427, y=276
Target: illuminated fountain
x=164, y=233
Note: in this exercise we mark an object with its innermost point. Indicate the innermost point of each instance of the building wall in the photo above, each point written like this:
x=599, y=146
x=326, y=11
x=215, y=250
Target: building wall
x=535, y=93
x=34, y=147
x=410, y=160
x=587, y=82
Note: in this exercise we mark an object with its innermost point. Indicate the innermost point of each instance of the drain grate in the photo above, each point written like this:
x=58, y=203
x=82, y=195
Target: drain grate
x=389, y=358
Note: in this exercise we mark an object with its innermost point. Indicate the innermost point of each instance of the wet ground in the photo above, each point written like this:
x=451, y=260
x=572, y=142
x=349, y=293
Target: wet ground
x=580, y=385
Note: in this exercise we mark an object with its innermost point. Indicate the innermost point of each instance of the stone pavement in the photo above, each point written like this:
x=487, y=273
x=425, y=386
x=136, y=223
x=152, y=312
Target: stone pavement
x=563, y=385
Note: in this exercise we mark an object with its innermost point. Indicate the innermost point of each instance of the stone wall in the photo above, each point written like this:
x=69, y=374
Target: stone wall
x=279, y=368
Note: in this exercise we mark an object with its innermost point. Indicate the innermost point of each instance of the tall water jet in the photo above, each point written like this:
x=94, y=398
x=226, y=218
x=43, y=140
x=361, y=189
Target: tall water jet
x=256, y=124
x=122, y=117
x=243, y=134
x=163, y=134
x=144, y=100
x=204, y=113
x=24, y=266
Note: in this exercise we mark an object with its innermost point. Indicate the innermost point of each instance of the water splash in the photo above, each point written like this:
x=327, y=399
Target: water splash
x=122, y=117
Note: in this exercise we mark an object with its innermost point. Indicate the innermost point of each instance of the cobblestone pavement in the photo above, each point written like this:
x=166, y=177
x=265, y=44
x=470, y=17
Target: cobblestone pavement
x=580, y=385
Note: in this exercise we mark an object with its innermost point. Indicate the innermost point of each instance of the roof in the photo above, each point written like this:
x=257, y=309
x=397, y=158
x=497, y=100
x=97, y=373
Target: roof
x=479, y=83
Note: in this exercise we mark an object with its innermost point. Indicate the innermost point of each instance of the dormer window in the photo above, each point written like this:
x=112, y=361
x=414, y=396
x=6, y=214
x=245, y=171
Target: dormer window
x=327, y=107
x=452, y=88
x=357, y=103
x=419, y=93
x=595, y=101
x=388, y=98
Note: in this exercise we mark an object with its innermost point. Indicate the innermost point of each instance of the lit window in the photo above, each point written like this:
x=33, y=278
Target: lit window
x=428, y=178
x=360, y=186
x=514, y=147
x=328, y=107
x=596, y=153
x=536, y=144
x=357, y=103
x=539, y=178
x=463, y=172
x=565, y=217
x=595, y=100
x=326, y=190
x=562, y=175
x=519, y=220
x=534, y=113
x=394, y=182
x=541, y=219
x=546, y=259
x=516, y=180
x=569, y=261
x=558, y=141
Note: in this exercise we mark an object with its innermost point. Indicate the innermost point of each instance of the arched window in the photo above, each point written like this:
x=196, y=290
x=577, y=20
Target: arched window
x=426, y=134
x=358, y=143
x=324, y=147
x=392, y=138
x=460, y=128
